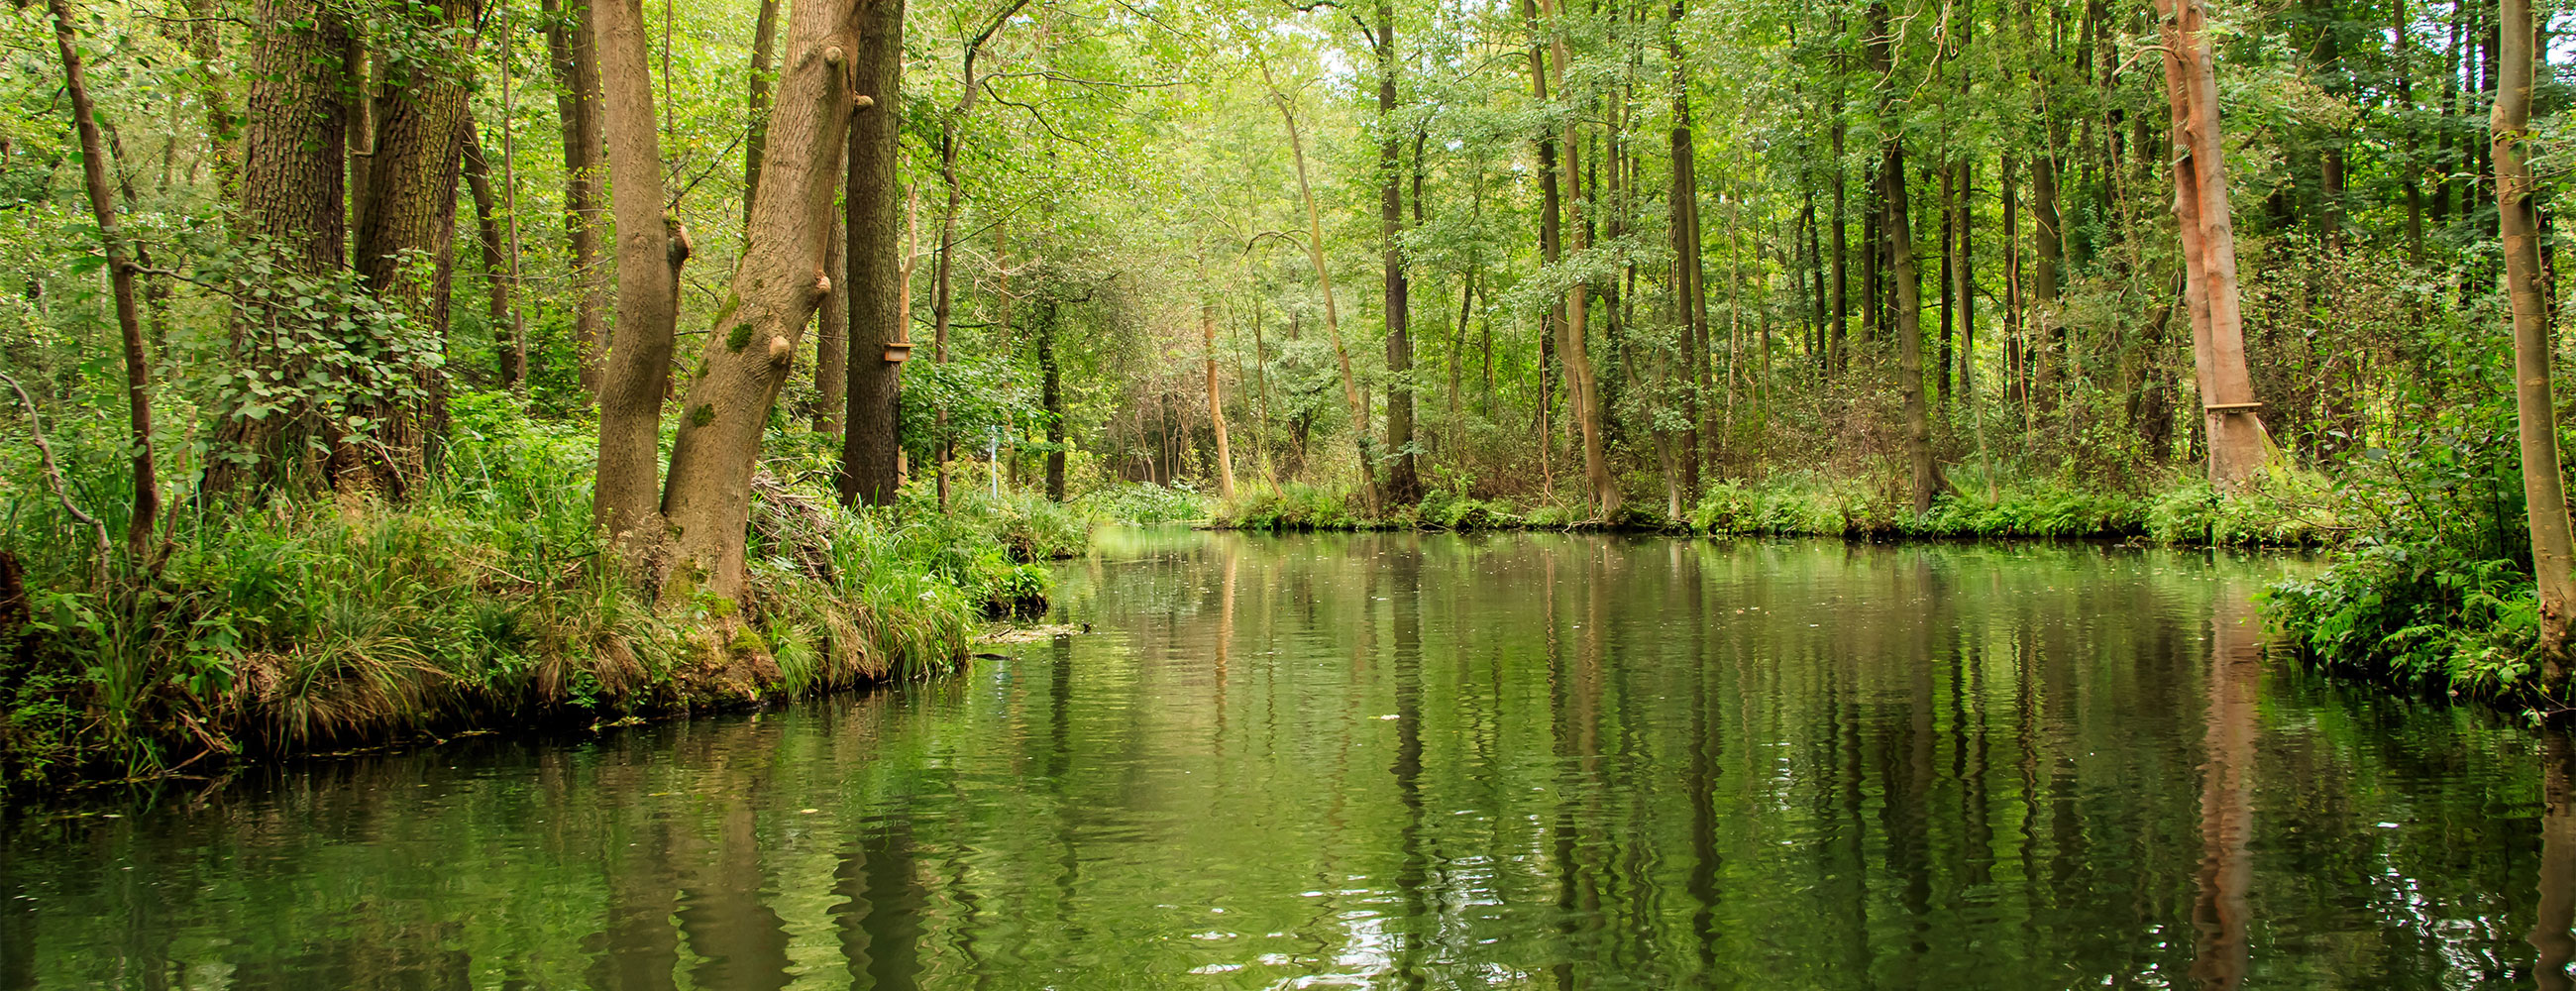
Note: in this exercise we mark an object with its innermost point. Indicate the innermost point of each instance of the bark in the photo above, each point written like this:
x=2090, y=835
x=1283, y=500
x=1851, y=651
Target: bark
x=1838, y=350
x=2519, y=220
x=1051, y=395
x=878, y=302
x=1324, y=282
x=292, y=204
x=832, y=330
x=1551, y=241
x=776, y=286
x=573, y=53
x=1216, y=401
x=120, y=279
x=410, y=220
x=1690, y=284
x=755, y=145
x=638, y=364
x=509, y=333
x=2237, y=445
x=1403, y=481
x=1907, y=326
x=1582, y=386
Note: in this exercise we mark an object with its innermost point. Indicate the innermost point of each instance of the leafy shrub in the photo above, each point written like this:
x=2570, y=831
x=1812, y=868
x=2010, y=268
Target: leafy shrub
x=1145, y=503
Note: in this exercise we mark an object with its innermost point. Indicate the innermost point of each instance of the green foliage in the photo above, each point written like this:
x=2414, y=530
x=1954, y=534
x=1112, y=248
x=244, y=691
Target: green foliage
x=1145, y=503
x=2417, y=614
x=1293, y=507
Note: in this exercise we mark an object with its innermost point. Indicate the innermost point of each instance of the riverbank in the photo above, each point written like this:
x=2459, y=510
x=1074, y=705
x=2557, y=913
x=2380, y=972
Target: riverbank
x=2293, y=511
x=290, y=627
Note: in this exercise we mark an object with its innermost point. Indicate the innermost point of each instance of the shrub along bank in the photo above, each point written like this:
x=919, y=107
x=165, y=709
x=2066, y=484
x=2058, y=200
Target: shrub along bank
x=288, y=626
x=2289, y=510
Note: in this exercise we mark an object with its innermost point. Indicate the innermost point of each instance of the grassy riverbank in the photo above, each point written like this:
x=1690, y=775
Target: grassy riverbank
x=2292, y=510
x=297, y=626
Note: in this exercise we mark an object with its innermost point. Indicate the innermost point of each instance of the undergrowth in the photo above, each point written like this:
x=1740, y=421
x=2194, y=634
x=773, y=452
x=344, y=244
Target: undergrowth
x=284, y=625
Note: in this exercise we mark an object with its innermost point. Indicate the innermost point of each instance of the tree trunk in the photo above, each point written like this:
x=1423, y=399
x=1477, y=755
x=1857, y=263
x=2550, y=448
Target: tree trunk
x=650, y=249
x=1690, y=284
x=1403, y=481
x=1051, y=396
x=507, y=329
x=1324, y=283
x=2543, y=492
x=779, y=281
x=292, y=201
x=2236, y=440
x=573, y=52
x=832, y=330
x=756, y=142
x=1907, y=325
x=1216, y=402
x=410, y=219
x=1582, y=387
x=120, y=279
x=878, y=302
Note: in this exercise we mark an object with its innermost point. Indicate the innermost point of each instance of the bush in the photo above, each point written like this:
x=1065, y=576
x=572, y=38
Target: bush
x=1145, y=503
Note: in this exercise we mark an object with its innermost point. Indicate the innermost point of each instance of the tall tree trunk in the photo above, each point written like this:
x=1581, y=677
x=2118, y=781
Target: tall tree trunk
x=1582, y=386
x=832, y=330
x=1324, y=282
x=1690, y=283
x=2043, y=326
x=410, y=218
x=2543, y=492
x=1551, y=240
x=756, y=142
x=1403, y=482
x=509, y=333
x=1051, y=396
x=120, y=279
x=1838, y=350
x=573, y=53
x=878, y=302
x=1906, y=313
x=292, y=201
x=2236, y=440
x=650, y=249
x=776, y=286
x=1216, y=401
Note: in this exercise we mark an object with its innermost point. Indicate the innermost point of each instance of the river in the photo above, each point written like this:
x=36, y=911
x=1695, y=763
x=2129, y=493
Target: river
x=1411, y=761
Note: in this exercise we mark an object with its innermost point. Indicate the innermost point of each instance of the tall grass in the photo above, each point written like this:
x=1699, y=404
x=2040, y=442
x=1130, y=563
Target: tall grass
x=288, y=624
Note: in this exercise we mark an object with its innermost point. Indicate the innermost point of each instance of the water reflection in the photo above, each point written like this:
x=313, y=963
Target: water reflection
x=1417, y=762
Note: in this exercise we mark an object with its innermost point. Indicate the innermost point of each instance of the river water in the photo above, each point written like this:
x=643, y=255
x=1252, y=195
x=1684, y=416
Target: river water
x=1410, y=761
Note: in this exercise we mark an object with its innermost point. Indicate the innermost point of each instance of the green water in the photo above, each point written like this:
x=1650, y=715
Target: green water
x=1408, y=762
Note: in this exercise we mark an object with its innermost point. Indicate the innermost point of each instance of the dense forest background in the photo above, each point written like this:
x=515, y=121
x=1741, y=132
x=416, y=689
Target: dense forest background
x=582, y=312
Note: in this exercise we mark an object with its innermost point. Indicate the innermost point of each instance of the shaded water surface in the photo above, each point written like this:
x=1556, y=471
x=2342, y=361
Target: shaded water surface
x=1414, y=762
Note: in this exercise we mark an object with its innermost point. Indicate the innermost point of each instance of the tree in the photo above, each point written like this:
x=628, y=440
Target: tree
x=2236, y=440
x=877, y=296
x=775, y=289
x=650, y=250
x=408, y=225
x=1324, y=282
x=292, y=202
x=120, y=278
x=2519, y=220
x=1403, y=481
x=573, y=53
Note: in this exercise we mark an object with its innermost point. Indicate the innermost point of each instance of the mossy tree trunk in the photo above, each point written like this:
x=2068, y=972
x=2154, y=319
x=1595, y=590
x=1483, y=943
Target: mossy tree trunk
x=406, y=237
